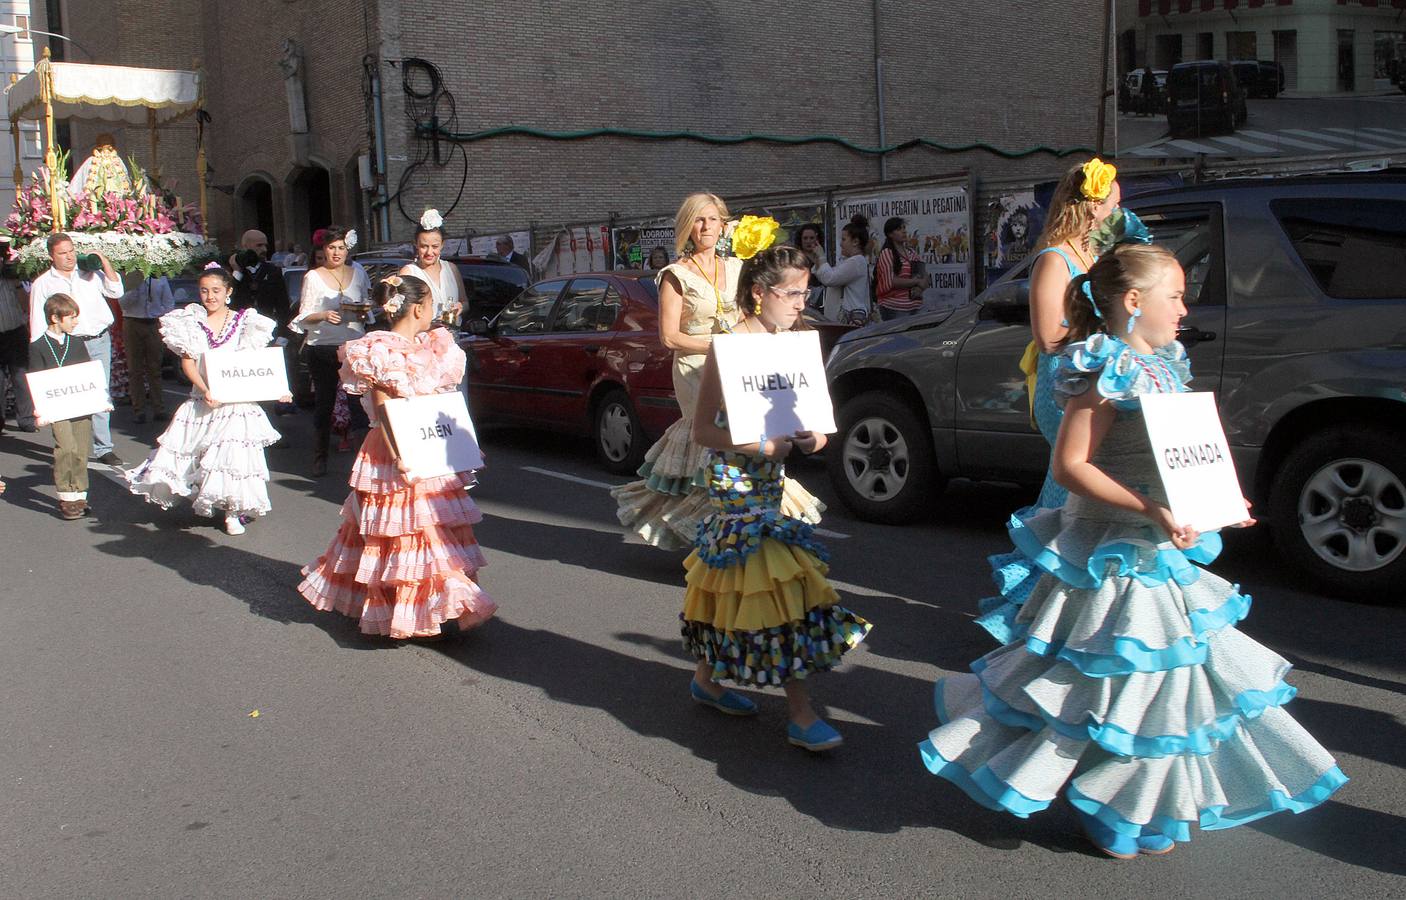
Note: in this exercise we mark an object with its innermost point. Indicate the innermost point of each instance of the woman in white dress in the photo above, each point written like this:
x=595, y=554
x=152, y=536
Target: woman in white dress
x=336, y=296
x=444, y=279
x=696, y=301
x=212, y=452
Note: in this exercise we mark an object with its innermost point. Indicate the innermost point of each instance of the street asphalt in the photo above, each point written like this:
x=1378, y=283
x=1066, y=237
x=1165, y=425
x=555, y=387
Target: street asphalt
x=180, y=723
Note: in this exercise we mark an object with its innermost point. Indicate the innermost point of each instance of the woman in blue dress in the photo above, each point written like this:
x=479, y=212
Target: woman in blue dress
x=1082, y=201
x=1126, y=683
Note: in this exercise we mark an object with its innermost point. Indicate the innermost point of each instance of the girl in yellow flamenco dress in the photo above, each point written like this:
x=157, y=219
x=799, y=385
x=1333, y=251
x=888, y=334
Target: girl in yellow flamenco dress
x=758, y=609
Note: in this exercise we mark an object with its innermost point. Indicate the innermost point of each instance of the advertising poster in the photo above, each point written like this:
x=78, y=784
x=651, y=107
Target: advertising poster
x=939, y=228
x=789, y=218
x=577, y=248
x=634, y=245
x=1013, y=224
x=487, y=244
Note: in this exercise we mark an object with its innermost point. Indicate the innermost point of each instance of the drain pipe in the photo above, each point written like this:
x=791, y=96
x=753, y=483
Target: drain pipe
x=879, y=95
x=379, y=124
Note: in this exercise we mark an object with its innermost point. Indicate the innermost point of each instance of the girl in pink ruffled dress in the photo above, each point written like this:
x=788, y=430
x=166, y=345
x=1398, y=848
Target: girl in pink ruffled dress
x=404, y=560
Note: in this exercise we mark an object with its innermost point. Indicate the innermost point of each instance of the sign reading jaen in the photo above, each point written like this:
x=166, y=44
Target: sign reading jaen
x=1194, y=460
x=434, y=434
x=245, y=376
x=69, y=392
x=773, y=385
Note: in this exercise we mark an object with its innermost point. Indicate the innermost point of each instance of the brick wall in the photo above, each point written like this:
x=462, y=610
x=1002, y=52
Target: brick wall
x=1009, y=75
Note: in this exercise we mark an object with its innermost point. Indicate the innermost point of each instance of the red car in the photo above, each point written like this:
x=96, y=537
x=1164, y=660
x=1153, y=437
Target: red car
x=581, y=354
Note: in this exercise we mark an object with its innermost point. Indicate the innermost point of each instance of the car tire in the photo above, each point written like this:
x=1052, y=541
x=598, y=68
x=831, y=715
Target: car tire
x=615, y=429
x=881, y=462
x=1338, y=511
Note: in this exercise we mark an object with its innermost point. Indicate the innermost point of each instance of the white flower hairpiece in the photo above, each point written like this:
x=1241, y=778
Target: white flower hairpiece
x=431, y=219
x=350, y=239
x=393, y=305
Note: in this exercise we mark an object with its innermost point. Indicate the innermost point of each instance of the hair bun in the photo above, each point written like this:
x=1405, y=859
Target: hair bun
x=859, y=219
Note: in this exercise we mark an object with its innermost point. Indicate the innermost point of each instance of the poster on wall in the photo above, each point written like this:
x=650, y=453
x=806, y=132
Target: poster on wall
x=577, y=248
x=789, y=218
x=1013, y=223
x=939, y=220
x=487, y=244
x=640, y=246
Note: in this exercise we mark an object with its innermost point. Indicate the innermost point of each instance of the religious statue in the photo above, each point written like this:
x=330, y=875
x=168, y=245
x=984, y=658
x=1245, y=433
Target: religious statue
x=102, y=172
x=291, y=62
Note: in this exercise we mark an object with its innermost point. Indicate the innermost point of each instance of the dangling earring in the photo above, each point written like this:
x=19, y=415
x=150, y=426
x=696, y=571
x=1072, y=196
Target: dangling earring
x=757, y=307
x=1132, y=320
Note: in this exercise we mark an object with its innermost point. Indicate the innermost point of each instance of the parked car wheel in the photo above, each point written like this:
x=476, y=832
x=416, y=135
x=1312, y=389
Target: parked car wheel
x=620, y=444
x=1338, y=511
x=881, y=462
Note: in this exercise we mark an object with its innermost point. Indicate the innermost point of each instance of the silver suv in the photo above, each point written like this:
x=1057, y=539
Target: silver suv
x=1296, y=293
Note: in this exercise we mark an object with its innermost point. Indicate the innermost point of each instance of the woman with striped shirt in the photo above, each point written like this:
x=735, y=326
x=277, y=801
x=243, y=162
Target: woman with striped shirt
x=896, y=286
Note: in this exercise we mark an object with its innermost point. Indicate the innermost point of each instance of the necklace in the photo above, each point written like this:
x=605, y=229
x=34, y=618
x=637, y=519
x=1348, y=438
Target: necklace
x=226, y=330
x=1085, y=258
x=67, y=342
x=712, y=282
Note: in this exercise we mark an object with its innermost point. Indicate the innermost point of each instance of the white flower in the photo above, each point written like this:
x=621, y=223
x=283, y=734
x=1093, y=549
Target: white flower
x=350, y=239
x=392, y=306
x=431, y=218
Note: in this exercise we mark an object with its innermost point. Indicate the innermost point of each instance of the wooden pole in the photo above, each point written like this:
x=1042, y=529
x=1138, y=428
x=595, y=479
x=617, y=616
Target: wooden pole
x=1103, y=90
x=15, y=133
x=155, y=166
x=51, y=159
x=200, y=163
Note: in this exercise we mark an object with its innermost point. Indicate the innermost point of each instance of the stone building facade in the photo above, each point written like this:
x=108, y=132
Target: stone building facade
x=1008, y=76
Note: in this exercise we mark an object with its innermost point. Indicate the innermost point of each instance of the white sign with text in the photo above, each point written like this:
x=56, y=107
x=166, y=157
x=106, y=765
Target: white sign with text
x=773, y=385
x=1193, y=458
x=435, y=434
x=69, y=392
x=245, y=376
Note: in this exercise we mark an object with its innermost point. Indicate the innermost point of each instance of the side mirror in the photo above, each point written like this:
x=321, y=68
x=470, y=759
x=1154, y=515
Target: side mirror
x=480, y=327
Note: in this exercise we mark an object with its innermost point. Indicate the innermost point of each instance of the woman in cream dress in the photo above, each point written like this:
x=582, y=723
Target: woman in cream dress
x=696, y=301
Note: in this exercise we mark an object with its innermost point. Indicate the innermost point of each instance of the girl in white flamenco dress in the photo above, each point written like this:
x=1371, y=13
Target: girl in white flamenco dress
x=212, y=453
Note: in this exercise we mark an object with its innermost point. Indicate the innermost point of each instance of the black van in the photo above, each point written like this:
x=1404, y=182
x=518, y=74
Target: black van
x=1204, y=97
x=1259, y=78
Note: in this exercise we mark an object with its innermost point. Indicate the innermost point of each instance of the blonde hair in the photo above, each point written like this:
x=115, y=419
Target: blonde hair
x=691, y=208
x=1071, y=215
x=1126, y=267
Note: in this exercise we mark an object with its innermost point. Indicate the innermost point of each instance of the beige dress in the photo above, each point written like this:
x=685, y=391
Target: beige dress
x=669, y=501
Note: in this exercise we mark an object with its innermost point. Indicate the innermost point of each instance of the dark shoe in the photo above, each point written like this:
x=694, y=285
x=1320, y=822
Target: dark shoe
x=319, y=466
x=139, y=418
x=110, y=459
x=160, y=415
x=72, y=509
x=29, y=428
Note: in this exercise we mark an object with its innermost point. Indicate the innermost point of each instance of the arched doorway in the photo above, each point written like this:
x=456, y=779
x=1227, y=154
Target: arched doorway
x=309, y=202
x=254, y=205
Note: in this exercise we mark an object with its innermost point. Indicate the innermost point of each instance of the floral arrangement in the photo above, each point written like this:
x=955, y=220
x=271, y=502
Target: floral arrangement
x=140, y=226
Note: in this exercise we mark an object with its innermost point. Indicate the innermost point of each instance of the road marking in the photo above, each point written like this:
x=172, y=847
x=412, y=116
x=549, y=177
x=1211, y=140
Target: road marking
x=576, y=479
x=1193, y=147
x=1281, y=139
x=1245, y=145
x=1393, y=133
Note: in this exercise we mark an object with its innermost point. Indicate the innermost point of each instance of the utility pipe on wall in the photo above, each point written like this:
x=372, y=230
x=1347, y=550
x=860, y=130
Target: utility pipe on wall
x=879, y=95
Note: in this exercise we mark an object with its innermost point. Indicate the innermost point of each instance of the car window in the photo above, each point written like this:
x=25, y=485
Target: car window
x=1354, y=248
x=528, y=314
x=590, y=304
x=491, y=287
x=1191, y=235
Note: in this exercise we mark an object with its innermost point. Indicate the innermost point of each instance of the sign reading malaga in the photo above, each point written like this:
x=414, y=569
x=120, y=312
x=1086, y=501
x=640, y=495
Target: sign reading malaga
x=69, y=392
x=245, y=376
x=773, y=385
x=1194, y=459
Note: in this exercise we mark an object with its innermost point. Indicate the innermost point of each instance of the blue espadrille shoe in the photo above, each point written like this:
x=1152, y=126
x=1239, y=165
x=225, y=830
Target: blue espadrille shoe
x=731, y=703
x=819, y=736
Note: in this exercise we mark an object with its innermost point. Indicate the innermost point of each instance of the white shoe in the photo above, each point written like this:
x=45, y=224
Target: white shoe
x=233, y=525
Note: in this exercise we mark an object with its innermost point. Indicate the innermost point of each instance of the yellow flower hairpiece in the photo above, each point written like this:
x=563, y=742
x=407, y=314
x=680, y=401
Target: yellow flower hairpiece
x=1098, y=179
x=752, y=235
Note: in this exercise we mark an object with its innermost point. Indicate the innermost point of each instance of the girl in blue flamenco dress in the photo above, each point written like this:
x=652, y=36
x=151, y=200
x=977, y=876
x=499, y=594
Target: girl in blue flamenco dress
x=1126, y=683
x=757, y=608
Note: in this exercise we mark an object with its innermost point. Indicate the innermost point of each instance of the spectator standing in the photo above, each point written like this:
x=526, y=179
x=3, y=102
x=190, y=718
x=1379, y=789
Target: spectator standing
x=896, y=284
x=658, y=259
x=91, y=291
x=14, y=352
x=811, y=239
x=260, y=287
x=847, y=283
x=505, y=250
x=142, y=306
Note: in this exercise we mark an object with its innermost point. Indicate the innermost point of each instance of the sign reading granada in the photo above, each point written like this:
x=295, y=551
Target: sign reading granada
x=435, y=434
x=69, y=392
x=1194, y=460
x=245, y=376
x=773, y=385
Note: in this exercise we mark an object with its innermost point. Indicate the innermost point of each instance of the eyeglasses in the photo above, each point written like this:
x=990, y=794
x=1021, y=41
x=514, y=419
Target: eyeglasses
x=793, y=296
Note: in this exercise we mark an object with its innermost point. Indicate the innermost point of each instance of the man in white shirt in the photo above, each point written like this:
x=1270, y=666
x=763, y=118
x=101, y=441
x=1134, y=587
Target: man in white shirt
x=142, y=306
x=90, y=291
